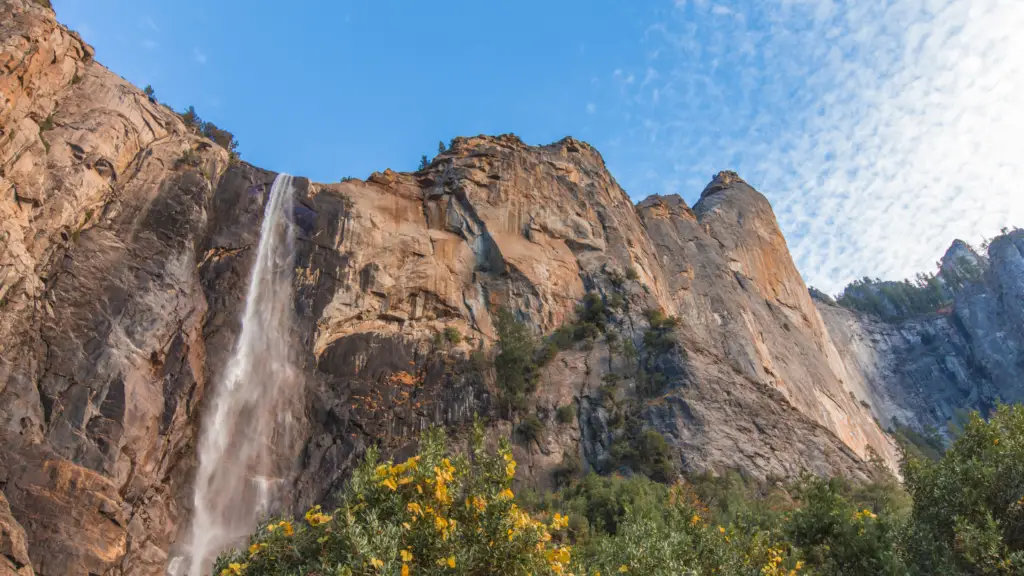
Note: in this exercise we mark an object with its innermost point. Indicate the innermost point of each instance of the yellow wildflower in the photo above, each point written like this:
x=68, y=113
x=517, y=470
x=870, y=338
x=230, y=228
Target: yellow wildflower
x=721, y=530
x=623, y=568
x=451, y=561
x=234, y=569
x=559, y=521
x=414, y=508
x=390, y=483
x=506, y=494
x=510, y=469
x=376, y=563
x=406, y=526
x=695, y=520
x=406, y=555
x=405, y=570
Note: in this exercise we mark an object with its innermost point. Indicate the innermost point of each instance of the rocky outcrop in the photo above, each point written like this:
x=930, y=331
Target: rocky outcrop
x=102, y=357
x=14, y=560
x=967, y=356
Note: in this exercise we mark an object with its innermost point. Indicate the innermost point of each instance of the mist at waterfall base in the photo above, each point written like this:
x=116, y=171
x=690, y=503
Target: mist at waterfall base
x=246, y=439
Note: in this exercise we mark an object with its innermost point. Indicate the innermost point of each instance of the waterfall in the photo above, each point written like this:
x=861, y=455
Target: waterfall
x=246, y=433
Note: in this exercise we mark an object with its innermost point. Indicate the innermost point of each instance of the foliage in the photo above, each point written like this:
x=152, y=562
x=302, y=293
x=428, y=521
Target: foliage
x=927, y=445
x=424, y=162
x=838, y=538
x=514, y=365
x=897, y=300
x=47, y=124
x=530, y=428
x=566, y=414
x=968, y=515
x=452, y=335
x=440, y=513
x=819, y=295
x=631, y=273
x=190, y=158
x=221, y=137
x=150, y=93
x=658, y=338
x=441, y=147
x=434, y=514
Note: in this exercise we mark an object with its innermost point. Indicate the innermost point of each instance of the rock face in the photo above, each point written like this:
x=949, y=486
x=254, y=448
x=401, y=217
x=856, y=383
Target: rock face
x=920, y=372
x=126, y=246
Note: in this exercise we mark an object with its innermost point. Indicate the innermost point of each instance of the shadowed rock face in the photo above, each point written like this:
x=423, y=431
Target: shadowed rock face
x=123, y=274
x=920, y=372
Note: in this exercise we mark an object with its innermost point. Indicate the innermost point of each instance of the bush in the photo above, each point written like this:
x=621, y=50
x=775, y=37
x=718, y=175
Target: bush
x=566, y=414
x=514, y=365
x=436, y=513
x=658, y=338
x=968, y=511
x=190, y=158
x=478, y=361
x=530, y=429
x=424, y=162
x=838, y=538
x=452, y=335
x=150, y=93
x=631, y=274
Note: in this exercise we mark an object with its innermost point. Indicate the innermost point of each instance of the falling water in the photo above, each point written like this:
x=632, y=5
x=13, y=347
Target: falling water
x=248, y=426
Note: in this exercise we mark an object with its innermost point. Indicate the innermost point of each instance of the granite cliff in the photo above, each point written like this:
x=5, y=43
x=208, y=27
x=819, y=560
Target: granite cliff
x=126, y=240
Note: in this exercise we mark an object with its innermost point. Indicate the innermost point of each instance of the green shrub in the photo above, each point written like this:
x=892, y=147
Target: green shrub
x=190, y=158
x=478, y=361
x=47, y=124
x=837, y=538
x=514, y=365
x=566, y=414
x=530, y=429
x=968, y=511
x=658, y=338
x=452, y=335
x=631, y=273
x=424, y=162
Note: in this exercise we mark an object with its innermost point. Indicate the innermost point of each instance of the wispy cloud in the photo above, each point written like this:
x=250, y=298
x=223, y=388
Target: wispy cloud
x=879, y=131
x=199, y=56
x=148, y=22
x=591, y=108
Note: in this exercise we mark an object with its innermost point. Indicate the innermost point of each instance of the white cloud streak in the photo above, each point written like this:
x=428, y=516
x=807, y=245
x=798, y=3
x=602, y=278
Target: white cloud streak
x=880, y=131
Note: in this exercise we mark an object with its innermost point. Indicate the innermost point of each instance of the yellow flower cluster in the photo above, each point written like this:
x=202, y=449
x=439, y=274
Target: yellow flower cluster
x=559, y=559
x=256, y=548
x=559, y=522
x=234, y=569
x=865, y=513
x=315, y=517
x=774, y=565
x=285, y=527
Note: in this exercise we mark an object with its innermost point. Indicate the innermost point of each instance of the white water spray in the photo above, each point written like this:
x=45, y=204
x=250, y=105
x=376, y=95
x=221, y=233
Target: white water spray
x=246, y=436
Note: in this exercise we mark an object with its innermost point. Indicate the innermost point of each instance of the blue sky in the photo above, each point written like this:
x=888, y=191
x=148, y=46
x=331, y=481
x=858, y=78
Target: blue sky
x=879, y=130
